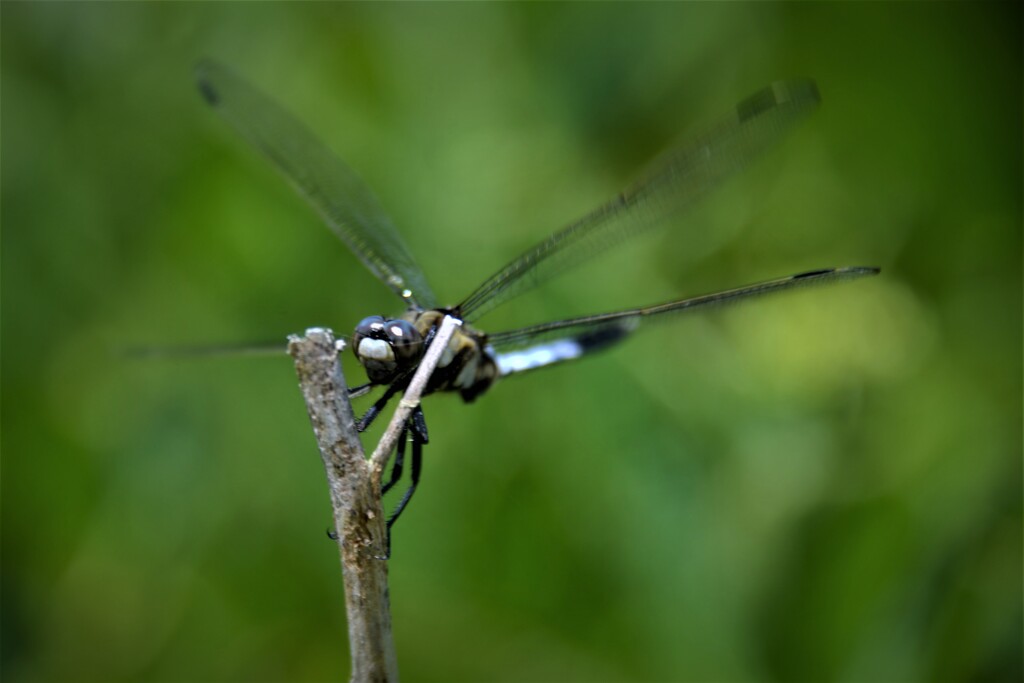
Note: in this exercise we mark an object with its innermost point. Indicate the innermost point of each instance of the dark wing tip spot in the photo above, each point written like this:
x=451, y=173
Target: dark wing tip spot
x=855, y=271
x=208, y=93
x=814, y=273
x=206, y=89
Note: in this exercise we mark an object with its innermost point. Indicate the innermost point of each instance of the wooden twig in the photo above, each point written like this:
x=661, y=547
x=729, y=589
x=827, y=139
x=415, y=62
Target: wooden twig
x=358, y=517
x=354, y=484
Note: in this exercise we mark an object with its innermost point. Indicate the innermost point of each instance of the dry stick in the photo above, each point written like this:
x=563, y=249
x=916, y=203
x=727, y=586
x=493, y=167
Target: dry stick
x=354, y=484
x=358, y=517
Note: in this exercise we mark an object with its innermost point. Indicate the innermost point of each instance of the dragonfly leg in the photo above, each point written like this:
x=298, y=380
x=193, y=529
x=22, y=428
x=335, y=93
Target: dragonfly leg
x=360, y=390
x=396, y=468
x=418, y=425
x=363, y=423
x=417, y=467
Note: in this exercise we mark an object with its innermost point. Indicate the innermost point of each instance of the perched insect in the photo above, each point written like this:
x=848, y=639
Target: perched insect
x=390, y=349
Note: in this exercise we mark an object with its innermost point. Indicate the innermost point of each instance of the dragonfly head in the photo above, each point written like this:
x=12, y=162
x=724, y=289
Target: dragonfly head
x=386, y=348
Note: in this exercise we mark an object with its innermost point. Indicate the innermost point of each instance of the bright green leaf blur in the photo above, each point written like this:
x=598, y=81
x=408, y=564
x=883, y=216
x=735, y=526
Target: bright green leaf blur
x=824, y=486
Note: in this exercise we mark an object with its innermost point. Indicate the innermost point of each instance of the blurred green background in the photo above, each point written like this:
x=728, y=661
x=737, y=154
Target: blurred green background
x=822, y=486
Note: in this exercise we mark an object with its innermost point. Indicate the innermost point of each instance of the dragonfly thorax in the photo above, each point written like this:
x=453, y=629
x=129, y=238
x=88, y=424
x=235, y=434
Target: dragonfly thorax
x=387, y=348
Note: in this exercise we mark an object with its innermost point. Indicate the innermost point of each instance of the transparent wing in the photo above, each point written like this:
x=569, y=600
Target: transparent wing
x=183, y=352
x=530, y=348
x=346, y=204
x=677, y=180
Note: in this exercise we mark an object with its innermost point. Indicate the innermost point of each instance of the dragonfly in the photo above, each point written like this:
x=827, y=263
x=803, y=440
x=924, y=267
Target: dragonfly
x=391, y=348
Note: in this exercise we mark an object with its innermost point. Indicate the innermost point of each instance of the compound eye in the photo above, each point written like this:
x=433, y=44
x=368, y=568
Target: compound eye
x=367, y=327
x=368, y=342
x=405, y=340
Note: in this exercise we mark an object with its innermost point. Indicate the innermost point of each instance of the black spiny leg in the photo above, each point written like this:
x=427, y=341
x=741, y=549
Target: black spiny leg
x=360, y=390
x=418, y=425
x=363, y=423
x=396, y=469
x=417, y=428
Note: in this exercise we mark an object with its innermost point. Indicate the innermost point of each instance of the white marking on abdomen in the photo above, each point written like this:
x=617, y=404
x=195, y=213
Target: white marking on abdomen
x=538, y=356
